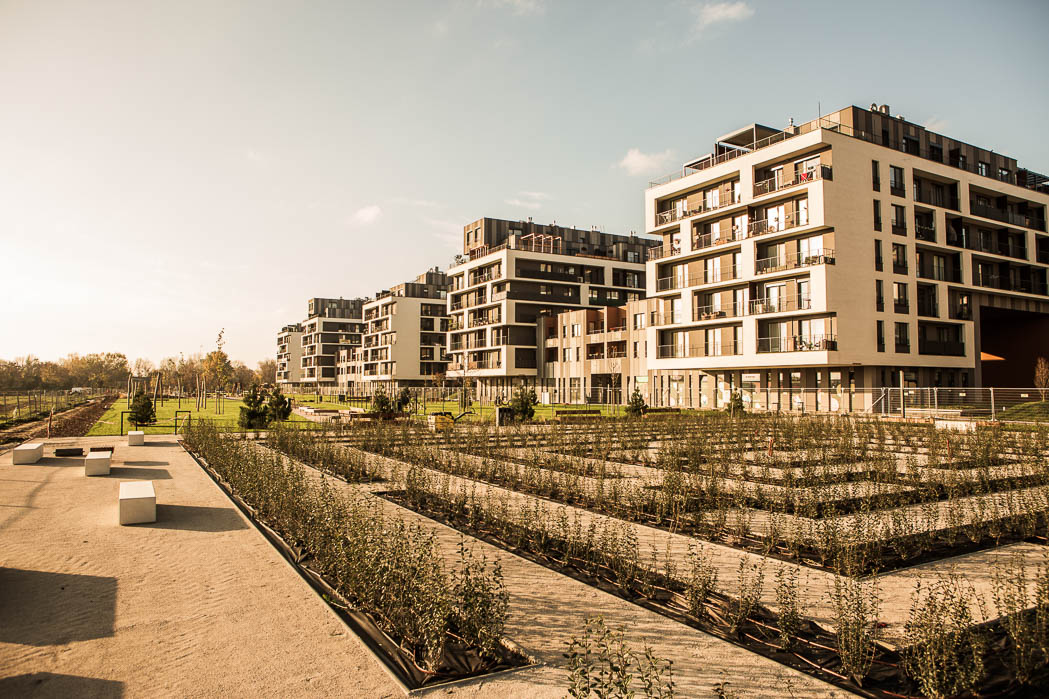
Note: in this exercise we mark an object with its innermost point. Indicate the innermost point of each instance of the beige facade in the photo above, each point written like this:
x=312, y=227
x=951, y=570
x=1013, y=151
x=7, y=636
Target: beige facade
x=514, y=273
x=596, y=355
x=289, y=355
x=837, y=254
x=405, y=339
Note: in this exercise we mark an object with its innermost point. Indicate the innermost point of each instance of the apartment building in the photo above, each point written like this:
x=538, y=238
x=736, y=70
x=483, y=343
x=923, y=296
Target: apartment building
x=405, y=338
x=513, y=273
x=597, y=355
x=349, y=369
x=843, y=253
x=330, y=325
x=289, y=356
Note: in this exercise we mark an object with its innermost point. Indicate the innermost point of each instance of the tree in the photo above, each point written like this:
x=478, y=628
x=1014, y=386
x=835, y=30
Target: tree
x=142, y=367
x=381, y=403
x=253, y=414
x=141, y=410
x=404, y=399
x=523, y=403
x=735, y=404
x=267, y=371
x=636, y=406
x=279, y=406
x=1041, y=376
x=217, y=369
x=243, y=376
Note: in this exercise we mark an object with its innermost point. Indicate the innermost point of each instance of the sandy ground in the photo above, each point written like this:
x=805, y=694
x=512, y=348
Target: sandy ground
x=197, y=604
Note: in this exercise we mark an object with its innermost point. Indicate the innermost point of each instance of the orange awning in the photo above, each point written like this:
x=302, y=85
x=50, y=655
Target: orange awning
x=988, y=357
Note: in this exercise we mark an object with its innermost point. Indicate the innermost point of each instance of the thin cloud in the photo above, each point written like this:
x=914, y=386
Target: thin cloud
x=366, y=215
x=528, y=200
x=712, y=13
x=637, y=163
x=448, y=231
x=937, y=124
x=518, y=7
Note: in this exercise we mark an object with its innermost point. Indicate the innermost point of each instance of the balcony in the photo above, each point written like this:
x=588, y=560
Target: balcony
x=813, y=343
x=657, y=318
x=901, y=306
x=705, y=206
x=485, y=364
x=768, y=226
x=934, y=198
x=712, y=350
x=899, y=228
x=483, y=278
x=484, y=320
x=775, y=184
x=928, y=308
x=1024, y=286
x=721, y=310
x=714, y=276
x=945, y=348
x=1007, y=216
x=780, y=305
x=794, y=260
x=925, y=231
x=709, y=239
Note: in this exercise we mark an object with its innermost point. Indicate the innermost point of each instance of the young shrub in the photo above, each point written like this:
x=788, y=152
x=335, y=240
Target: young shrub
x=750, y=581
x=404, y=399
x=636, y=406
x=141, y=410
x=523, y=403
x=787, y=601
x=602, y=664
x=482, y=603
x=945, y=653
x=701, y=583
x=253, y=414
x=279, y=406
x=855, y=616
x=735, y=404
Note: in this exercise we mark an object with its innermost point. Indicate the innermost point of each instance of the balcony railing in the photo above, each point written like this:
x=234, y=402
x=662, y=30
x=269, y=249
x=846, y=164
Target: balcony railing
x=707, y=240
x=995, y=281
x=767, y=226
x=932, y=198
x=1007, y=216
x=658, y=253
x=775, y=184
x=946, y=348
x=780, y=305
x=812, y=343
x=715, y=276
x=657, y=318
x=712, y=350
x=719, y=310
x=484, y=320
x=704, y=206
x=793, y=260
x=925, y=231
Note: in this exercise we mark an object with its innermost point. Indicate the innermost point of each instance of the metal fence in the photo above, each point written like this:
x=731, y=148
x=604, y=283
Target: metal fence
x=22, y=404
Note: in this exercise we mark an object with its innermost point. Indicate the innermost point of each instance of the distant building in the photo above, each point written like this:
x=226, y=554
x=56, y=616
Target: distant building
x=513, y=272
x=289, y=356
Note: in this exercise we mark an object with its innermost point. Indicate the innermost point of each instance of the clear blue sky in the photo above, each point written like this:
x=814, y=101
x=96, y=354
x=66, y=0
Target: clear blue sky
x=171, y=168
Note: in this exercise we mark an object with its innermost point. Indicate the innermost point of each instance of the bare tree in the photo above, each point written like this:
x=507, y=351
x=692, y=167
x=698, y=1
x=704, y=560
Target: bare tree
x=1041, y=376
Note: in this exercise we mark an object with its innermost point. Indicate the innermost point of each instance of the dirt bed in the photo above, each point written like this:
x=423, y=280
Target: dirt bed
x=70, y=423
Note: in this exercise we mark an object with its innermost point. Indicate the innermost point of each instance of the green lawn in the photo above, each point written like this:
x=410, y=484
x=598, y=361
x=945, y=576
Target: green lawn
x=1035, y=410
x=109, y=423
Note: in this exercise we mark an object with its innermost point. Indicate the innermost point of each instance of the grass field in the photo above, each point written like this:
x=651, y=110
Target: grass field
x=1035, y=410
x=109, y=423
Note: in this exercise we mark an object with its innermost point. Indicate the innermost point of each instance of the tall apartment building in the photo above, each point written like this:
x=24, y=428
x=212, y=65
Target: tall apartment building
x=289, y=355
x=330, y=324
x=511, y=274
x=595, y=355
x=405, y=337
x=838, y=254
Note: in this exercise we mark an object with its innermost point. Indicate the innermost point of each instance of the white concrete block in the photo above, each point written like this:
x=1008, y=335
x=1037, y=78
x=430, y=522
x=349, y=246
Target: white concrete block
x=96, y=463
x=138, y=502
x=136, y=438
x=28, y=453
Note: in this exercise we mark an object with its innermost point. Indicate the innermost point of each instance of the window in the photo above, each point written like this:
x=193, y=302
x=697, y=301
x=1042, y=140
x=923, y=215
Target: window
x=711, y=198
x=803, y=212
x=1003, y=174
x=903, y=337
x=575, y=329
x=899, y=258
x=899, y=219
x=877, y=215
x=881, y=336
x=878, y=264
x=899, y=297
x=879, y=294
x=639, y=322
x=577, y=354
x=896, y=185
x=875, y=175
x=982, y=168
x=635, y=349
x=566, y=354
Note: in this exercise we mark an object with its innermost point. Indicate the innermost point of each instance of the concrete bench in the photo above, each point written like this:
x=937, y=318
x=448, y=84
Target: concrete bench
x=28, y=453
x=138, y=502
x=96, y=463
x=136, y=438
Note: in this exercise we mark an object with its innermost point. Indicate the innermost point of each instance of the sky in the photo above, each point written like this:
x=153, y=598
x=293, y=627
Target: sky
x=169, y=169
